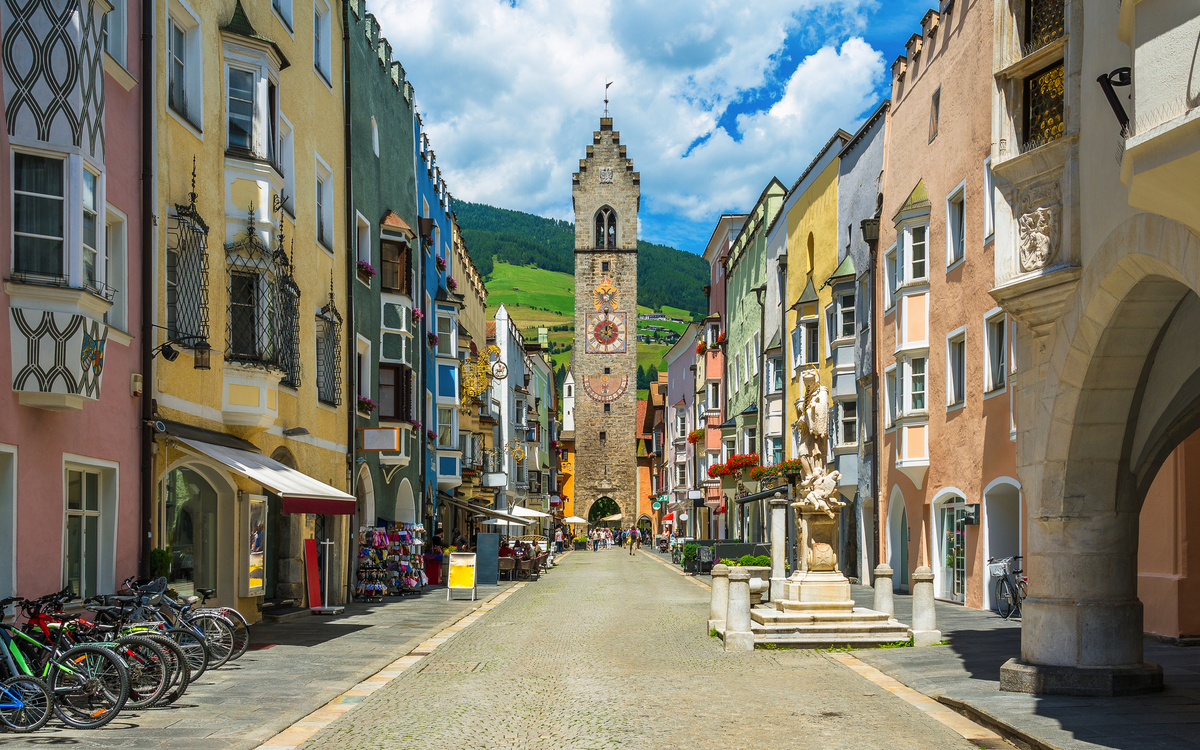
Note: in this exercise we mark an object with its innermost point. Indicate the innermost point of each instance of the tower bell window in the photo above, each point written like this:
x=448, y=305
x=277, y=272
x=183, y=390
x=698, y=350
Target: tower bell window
x=606, y=227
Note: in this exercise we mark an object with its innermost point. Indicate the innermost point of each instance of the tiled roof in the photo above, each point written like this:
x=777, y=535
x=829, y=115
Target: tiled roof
x=491, y=329
x=393, y=221
x=641, y=419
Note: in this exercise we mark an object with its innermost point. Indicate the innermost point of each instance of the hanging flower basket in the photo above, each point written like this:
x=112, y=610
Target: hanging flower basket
x=743, y=461
x=365, y=403
x=365, y=270
x=720, y=339
x=432, y=338
x=695, y=436
x=716, y=471
x=452, y=283
x=440, y=263
x=431, y=435
x=701, y=348
x=417, y=314
x=416, y=423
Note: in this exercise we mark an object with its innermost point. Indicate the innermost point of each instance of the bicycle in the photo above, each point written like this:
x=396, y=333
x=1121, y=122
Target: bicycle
x=116, y=612
x=1010, y=585
x=241, y=628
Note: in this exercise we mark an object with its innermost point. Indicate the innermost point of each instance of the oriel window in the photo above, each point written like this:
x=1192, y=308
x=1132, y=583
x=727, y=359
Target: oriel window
x=241, y=109
x=38, y=208
x=1043, y=106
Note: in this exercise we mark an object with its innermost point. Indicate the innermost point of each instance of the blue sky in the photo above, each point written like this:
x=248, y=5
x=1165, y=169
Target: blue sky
x=712, y=97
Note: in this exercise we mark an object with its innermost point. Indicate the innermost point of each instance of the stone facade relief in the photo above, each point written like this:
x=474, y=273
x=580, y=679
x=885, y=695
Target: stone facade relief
x=1040, y=226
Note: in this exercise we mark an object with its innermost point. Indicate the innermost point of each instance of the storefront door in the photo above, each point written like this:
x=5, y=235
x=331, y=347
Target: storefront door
x=190, y=516
x=953, y=550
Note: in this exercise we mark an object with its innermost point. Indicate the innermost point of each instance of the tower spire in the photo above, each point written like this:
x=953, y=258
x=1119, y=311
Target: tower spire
x=606, y=97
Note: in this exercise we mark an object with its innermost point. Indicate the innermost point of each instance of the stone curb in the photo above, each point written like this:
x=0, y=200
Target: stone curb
x=675, y=570
x=290, y=732
x=1014, y=735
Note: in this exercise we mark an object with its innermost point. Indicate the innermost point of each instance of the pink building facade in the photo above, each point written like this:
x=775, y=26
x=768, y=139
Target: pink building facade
x=949, y=495
x=69, y=426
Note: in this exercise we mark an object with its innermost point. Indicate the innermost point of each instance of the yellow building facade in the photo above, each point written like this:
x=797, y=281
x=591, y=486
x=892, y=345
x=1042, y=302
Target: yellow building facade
x=250, y=280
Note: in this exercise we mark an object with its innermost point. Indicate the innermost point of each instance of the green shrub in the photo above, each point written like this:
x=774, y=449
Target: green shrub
x=690, y=552
x=727, y=561
x=763, y=561
x=747, y=560
x=160, y=563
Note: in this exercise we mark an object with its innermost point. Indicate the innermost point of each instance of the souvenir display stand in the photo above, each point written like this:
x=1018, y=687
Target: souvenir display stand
x=390, y=561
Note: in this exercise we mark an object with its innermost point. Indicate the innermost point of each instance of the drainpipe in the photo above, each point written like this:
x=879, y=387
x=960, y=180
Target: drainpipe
x=870, y=233
x=351, y=340
x=147, y=259
x=761, y=428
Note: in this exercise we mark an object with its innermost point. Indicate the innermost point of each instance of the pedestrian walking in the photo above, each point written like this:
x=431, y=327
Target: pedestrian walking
x=632, y=538
x=558, y=540
x=595, y=540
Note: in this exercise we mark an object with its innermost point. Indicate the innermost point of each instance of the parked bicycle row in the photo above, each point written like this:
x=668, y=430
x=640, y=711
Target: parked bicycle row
x=140, y=648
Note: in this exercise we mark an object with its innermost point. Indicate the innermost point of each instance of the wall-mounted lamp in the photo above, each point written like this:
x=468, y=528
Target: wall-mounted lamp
x=168, y=352
x=1119, y=77
x=201, y=353
x=201, y=350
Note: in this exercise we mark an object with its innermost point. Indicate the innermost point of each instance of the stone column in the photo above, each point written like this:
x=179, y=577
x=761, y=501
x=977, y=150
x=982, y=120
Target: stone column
x=738, y=636
x=883, y=590
x=720, y=597
x=778, y=545
x=924, y=624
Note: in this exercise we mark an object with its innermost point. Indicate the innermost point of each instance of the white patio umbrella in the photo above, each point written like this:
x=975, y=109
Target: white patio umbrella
x=574, y=519
x=613, y=517
x=527, y=512
x=508, y=524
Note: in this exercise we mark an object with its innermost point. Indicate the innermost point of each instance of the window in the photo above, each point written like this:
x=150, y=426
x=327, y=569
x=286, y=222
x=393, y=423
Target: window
x=603, y=436
x=328, y=351
x=956, y=373
x=811, y=342
x=750, y=440
x=604, y=266
x=680, y=424
x=324, y=195
x=757, y=353
x=39, y=208
x=115, y=253
x=831, y=327
x=445, y=429
x=607, y=408
x=363, y=238
x=775, y=375
x=90, y=275
x=283, y=9
x=287, y=163
x=184, y=84
x=1044, y=23
x=374, y=136
x=714, y=396
x=395, y=392
x=915, y=237
x=989, y=199
x=321, y=39
x=396, y=262
x=681, y=475
x=848, y=423
x=846, y=314
x=892, y=278
x=1043, y=112
x=240, y=110
x=956, y=226
x=916, y=384
x=606, y=231
x=774, y=451
x=935, y=108
x=81, y=550
x=995, y=353
x=113, y=29
x=445, y=334
x=243, y=314
x=891, y=394
x=749, y=363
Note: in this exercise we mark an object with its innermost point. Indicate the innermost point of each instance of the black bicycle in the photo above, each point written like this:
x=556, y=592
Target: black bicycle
x=1010, y=585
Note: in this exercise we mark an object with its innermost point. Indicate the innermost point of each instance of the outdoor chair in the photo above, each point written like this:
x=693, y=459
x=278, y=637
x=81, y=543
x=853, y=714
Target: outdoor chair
x=524, y=568
x=507, y=565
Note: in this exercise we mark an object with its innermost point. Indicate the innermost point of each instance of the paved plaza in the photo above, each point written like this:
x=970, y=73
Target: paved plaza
x=608, y=651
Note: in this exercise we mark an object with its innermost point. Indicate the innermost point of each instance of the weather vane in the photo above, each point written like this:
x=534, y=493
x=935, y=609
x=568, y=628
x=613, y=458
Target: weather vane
x=606, y=97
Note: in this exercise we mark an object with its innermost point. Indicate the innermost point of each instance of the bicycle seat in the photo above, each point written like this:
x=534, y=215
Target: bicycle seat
x=207, y=593
x=189, y=599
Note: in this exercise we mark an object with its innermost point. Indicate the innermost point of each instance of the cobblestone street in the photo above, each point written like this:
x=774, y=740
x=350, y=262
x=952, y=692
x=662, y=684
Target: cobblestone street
x=607, y=651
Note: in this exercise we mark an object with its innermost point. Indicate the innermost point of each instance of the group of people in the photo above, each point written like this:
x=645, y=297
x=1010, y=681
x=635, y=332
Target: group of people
x=520, y=550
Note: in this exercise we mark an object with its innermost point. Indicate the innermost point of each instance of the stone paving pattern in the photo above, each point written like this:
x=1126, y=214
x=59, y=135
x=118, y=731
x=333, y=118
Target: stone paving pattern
x=609, y=652
x=310, y=661
x=967, y=669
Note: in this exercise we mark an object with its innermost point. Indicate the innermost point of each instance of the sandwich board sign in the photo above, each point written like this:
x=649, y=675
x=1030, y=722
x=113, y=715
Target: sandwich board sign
x=462, y=573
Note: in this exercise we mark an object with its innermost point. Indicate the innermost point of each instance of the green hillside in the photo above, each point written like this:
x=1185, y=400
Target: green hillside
x=666, y=276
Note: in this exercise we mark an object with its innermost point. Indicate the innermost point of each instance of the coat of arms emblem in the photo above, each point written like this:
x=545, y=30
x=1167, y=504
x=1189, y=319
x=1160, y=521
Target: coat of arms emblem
x=91, y=355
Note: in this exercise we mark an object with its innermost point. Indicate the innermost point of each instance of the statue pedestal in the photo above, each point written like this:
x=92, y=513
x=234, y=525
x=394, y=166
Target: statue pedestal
x=816, y=609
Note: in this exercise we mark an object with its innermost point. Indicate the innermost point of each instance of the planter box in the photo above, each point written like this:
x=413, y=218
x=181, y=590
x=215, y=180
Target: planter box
x=581, y=545
x=757, y=571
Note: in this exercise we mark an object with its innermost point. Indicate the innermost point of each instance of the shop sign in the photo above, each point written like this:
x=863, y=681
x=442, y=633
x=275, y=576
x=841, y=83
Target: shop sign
x=683, y=517
x=655, y=506
x=254, y=578
x=462, y=574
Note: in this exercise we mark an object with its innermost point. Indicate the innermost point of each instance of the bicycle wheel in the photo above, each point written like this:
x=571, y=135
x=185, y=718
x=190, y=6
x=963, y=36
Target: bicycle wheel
x=1022, y=592
x=241, y=633
x=218, y=636
x=194, y=649
x=90, y=686
x=181, y=670
x=149, y=670
x=24, y=703
x=1005, y=597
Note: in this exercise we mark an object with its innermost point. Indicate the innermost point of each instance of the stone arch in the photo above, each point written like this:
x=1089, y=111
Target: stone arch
x=284, y=456
x=364, y=491
x=897, y=539
x=604, y=227
x=406, y=503
x=226, y=491
x=1103, y=438
x=1000, y=528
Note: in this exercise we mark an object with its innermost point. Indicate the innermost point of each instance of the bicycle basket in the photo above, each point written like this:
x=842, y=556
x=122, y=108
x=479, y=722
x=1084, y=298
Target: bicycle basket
x=997, y=569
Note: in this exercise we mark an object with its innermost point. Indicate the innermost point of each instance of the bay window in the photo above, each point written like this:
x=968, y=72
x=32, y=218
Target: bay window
x=916, y=384
x=90, y=277
x=846, y=314
x=445, y=427
x=848, y=422
x=39, y=210
x=240, y=110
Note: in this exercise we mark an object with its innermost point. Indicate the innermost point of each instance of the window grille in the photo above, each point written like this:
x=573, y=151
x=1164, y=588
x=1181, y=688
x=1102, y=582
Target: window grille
x=289, y=316
x=255, y=323
x=329, y=353
x=1044, y=23
x=187, y=271
x=1043, y=107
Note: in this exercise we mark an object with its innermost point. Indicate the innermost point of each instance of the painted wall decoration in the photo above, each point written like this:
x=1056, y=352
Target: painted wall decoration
x=57, y=352
x=606, y=332
x=54, y=72
x=605, y=296
x=605, y=388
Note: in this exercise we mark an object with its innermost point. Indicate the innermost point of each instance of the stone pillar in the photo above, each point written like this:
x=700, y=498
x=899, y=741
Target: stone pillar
x=924, y=624
x=720, y=597
x=778, y=545
x=883, y=590
x=738, y=636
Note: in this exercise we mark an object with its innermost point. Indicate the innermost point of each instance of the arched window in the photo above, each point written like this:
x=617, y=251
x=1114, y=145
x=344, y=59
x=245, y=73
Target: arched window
x=569, y=391
x=606, y=227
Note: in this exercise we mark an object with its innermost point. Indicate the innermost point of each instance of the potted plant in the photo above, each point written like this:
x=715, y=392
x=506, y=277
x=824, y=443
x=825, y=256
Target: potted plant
x=416, y=424
x=721, y=339
x=431, y=435
x=367, y=404
x=432, y=338
x=452, y=283
x=701, y=348
x=695, y=436
x=440, y=263
x=365, y=270
x=691, y=563
x=580, y=543
x=418, y=315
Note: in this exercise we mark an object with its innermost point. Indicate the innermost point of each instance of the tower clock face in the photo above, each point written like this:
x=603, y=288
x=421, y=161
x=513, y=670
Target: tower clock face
x=605, y=333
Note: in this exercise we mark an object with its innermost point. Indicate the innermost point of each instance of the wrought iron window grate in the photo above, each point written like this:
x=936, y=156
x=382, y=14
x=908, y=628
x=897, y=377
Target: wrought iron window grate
x=187, y=271
x=1043, y=107
x=1044, y=24
x=329, y=353
x=289, y=317
x=254, y=325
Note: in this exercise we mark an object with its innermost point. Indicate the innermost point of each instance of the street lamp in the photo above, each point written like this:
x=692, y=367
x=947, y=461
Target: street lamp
x=201, y=354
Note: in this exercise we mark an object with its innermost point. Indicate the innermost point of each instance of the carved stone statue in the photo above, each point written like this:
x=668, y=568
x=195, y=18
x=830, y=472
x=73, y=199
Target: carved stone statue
x=814, y=424
x=821, y=495
x=1039, y=226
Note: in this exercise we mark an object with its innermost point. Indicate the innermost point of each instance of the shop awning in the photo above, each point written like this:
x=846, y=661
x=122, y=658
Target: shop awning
x=669, y=517
x=528, y=512
x=298, y=492
x=488, y=512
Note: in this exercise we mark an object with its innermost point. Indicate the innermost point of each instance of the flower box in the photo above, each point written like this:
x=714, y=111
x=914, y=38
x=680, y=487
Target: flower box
x=418, y=315
x=367, y=404
x=440, y=263
x=365, y=270
x=432, y=338
x=431, y=435
x=452, y=283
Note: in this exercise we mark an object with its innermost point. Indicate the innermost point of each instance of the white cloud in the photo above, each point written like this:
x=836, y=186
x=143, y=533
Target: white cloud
x=510, y=95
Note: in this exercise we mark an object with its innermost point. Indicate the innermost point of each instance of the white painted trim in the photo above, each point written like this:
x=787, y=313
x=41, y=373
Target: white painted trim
x=959, y=189
x=312, y=440
x=935, y=547
x=8, y=524
x=110, y=483
x=951, y=337
x=188, y=407
x=896, y=513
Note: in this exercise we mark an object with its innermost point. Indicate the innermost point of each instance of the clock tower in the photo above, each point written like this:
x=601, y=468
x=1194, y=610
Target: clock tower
x=606, y=194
